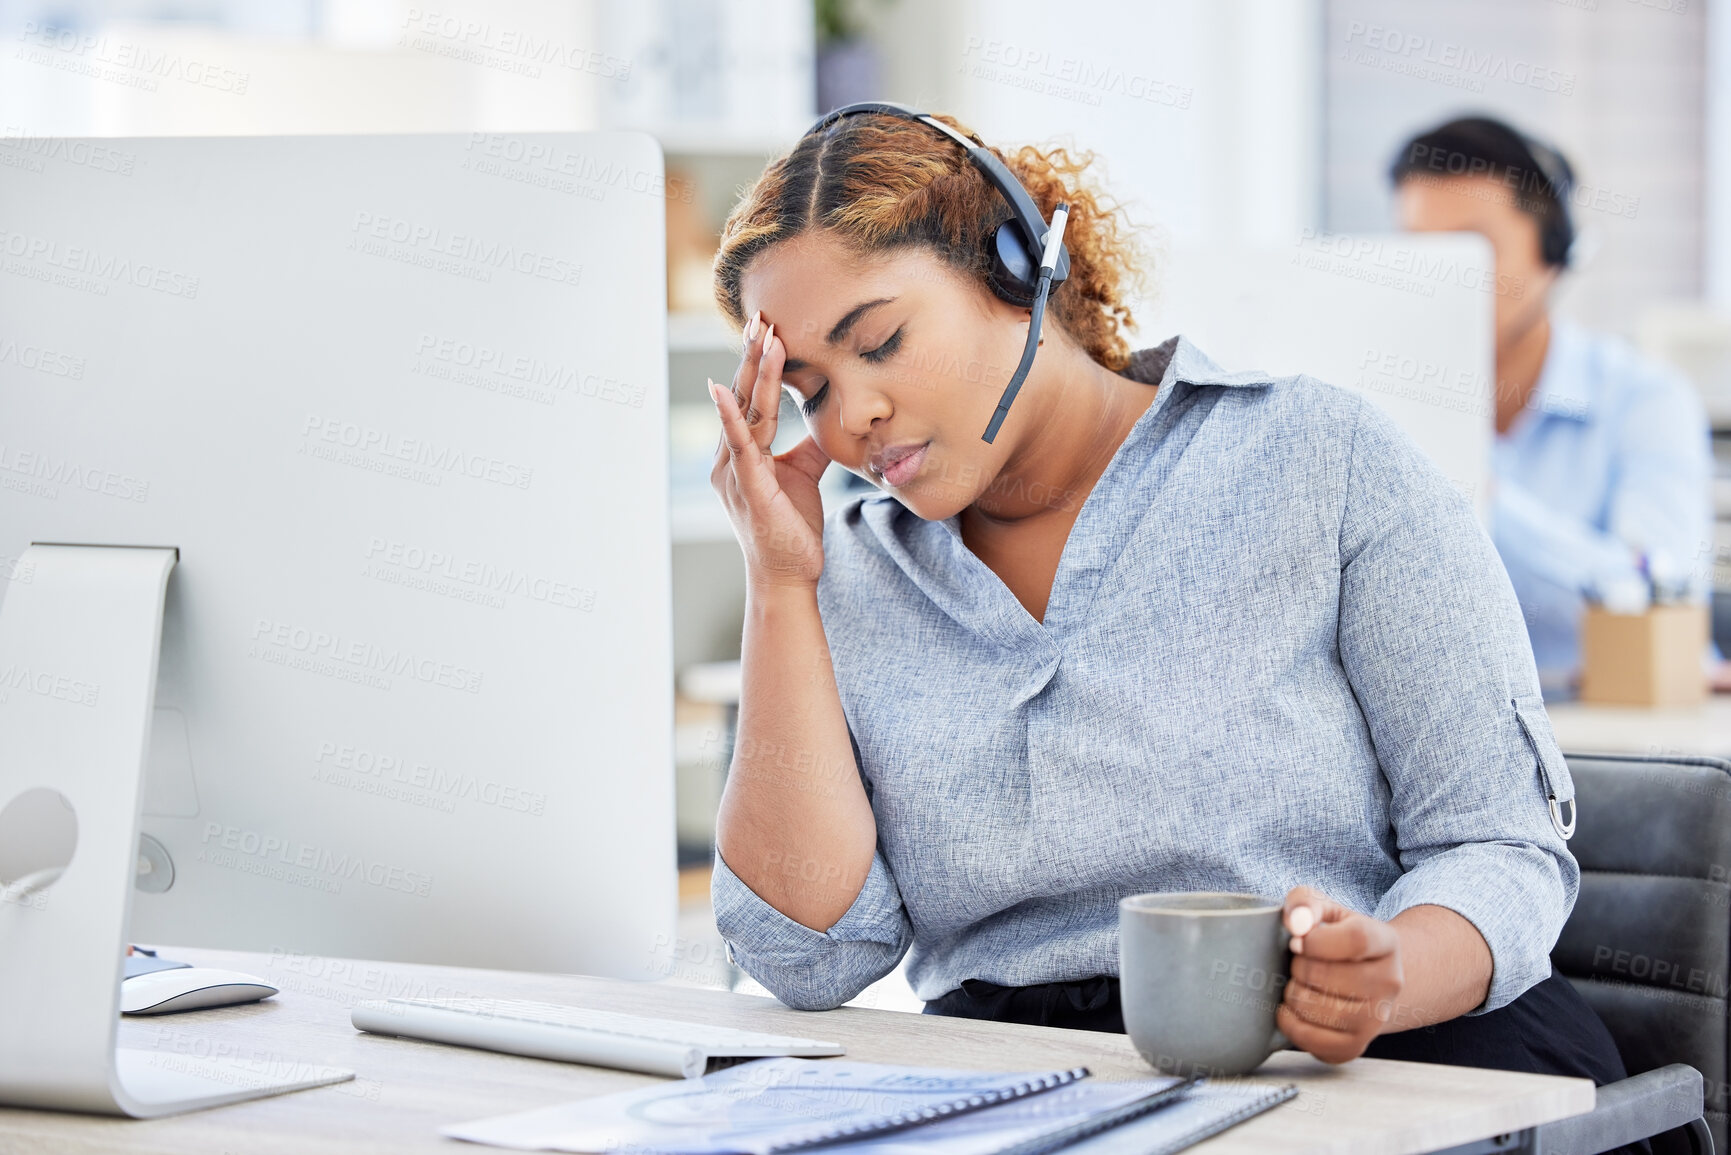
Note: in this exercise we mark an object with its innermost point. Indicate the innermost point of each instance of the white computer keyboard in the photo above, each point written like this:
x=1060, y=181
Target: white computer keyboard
x=579, y=1035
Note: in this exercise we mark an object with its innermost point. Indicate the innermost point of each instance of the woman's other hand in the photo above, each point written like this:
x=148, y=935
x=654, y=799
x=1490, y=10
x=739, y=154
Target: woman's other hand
x=773, y=501
x=1347, y=980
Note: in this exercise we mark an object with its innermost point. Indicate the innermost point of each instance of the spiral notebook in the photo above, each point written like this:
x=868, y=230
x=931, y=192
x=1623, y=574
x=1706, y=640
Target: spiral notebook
x=1092, y=1117
x=772, y=1106
x=764, y=1107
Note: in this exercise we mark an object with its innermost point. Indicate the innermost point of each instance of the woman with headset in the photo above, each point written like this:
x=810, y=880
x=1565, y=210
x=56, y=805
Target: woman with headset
x=1160, y=627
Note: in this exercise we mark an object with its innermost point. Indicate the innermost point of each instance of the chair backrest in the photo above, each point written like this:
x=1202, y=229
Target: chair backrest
x=1649, y=941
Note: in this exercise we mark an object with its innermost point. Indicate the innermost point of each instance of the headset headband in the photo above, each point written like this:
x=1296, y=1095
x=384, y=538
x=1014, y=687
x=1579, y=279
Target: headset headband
x=1551, y=166
x=1557, y=234
x=1024, y=211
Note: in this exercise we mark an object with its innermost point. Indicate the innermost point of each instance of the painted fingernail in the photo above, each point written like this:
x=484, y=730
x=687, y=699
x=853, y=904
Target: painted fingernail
x=756, y=321
x=714, y=395
x=768, y=337
x=1302, y=920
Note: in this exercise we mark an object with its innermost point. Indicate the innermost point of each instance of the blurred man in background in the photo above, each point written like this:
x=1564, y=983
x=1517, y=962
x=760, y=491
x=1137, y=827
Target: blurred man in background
x=1603, y=457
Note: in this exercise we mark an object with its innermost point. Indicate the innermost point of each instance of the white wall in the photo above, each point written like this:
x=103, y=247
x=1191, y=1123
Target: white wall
x=704, y=67
x=1205, y=114
x=1718, y=133
x=381, y=68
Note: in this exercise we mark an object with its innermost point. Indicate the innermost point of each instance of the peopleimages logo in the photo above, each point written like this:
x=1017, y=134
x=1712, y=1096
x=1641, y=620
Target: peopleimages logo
x=40, y=358
x=46, y=685
x=103, y=267
x=231, y=845
x=1397, y=265
x=435, y=242
x=1068, y=77
x=554, y=160
x=91, y=154
x=540, y=378
x=1394, y=374
x=482, y=575
x=146, y=65
x=475, y=40
x=48, y=472
x=433, y=458
x=1447, y=62
x=346, y=764
x=1427, y=374
x=274, y=636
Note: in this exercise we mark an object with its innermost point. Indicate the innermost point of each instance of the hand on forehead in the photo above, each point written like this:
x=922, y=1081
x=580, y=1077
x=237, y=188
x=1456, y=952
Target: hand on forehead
x=813, y=288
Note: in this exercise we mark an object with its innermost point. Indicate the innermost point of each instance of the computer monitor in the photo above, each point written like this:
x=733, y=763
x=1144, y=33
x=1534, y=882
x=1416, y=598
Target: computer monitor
x=1405, y=320
x=393, y=410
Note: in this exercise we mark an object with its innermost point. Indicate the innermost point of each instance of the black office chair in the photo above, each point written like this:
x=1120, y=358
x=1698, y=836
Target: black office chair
x=1649, y=946
x=1721, y=620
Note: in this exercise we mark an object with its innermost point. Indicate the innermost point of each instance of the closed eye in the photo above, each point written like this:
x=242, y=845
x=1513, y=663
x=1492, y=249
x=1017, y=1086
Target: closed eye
x=885, y=351
x=810, y=407
x=875, y=356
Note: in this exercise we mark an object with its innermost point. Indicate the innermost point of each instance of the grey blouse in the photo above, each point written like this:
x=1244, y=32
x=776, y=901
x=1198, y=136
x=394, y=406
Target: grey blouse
x=1280, y=649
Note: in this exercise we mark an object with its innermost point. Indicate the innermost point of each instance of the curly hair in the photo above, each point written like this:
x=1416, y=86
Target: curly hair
x=880, y=182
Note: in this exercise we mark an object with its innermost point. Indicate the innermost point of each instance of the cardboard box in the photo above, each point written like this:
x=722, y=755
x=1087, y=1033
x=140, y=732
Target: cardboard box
x=1652, y=658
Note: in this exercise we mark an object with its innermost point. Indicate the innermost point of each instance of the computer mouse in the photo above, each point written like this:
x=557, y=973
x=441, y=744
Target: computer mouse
x=189, y=989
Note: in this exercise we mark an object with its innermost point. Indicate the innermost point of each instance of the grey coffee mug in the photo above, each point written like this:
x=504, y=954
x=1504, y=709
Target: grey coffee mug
x=1200, y=974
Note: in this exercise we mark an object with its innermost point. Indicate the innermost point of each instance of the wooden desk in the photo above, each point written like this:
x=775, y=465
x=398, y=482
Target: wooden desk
x=1585, y=729
x=404, y=1090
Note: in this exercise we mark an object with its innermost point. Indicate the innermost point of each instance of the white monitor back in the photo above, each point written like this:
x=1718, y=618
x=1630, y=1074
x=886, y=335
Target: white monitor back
x=1406, y=320
x=401, y=403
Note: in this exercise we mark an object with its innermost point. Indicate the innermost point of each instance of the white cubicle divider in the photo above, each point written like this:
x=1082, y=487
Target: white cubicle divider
x=1405, y=320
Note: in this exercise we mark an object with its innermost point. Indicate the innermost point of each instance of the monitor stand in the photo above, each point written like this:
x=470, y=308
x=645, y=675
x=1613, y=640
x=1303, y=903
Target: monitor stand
x=80, y=634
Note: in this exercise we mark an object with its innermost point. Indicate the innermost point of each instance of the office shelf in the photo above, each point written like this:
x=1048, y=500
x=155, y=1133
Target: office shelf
x=716, y=682
x=699, y=331
x=698, y=517
x=692, y=140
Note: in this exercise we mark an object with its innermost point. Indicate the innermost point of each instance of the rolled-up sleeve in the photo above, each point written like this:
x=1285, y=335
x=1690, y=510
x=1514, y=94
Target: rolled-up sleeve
x=1433, y=644
x=807, y=969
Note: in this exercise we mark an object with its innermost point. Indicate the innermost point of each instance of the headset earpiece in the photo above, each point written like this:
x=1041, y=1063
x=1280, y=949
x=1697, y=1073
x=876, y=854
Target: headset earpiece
x=1557, y=241
x=1011, y=270
x=1013, y=249
x=1557, y=232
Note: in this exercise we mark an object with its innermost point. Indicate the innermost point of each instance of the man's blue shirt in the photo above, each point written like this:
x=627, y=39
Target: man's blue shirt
x=1610, y=459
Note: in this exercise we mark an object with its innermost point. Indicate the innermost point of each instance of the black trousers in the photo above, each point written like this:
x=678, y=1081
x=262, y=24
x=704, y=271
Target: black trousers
x=1549, y=1030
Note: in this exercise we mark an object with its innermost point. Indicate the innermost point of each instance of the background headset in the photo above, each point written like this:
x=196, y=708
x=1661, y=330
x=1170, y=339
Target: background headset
x=1557, y=231
x=1025, y=255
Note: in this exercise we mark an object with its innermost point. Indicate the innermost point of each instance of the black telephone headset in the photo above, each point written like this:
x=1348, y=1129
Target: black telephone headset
x=1557, y=231
x=1025, y=255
